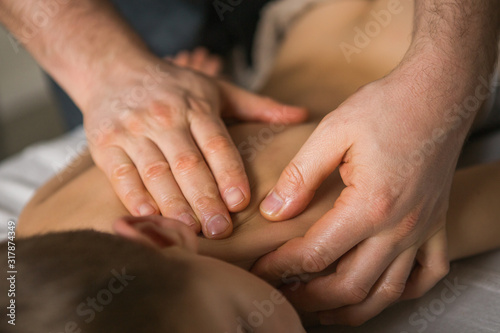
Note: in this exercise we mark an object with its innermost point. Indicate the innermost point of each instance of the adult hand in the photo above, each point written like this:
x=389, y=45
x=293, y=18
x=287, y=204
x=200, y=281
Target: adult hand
x=153, y=128
x=396, y=142
x=396, y=145
x=156, y=131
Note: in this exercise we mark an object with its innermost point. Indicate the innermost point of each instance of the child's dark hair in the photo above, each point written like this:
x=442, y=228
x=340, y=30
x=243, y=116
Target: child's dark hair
x=85, y=281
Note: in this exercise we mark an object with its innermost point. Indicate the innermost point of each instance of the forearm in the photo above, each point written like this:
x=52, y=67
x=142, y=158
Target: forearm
x=463, y=32
x=473, y=223
x=452, y=54
x=76, y=42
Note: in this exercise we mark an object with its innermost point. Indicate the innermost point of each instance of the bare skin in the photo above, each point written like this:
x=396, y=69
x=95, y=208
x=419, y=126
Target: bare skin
x=372, y=135
x=154, y=128
x=81, y=198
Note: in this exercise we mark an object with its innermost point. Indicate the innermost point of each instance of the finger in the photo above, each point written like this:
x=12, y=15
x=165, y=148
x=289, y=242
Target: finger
x=125, y=180
x=157, y=177
x=432, y=266
x=196, y=182
x=199, y=58
x=335, y=233
x=223, y=159
x=244, y=105
x=213, y=66
x=388, y=290
x=352, y=281
x=316, y=160
x=182, y=59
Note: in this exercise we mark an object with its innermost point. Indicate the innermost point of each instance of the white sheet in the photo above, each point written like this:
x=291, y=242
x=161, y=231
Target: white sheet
x=471, y=305
x=23, y=173
x=475, y=309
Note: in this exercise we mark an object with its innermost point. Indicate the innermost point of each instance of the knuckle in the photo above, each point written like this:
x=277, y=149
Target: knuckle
x=134, y=122
x=380, y=206
x=165, y=115
x=294, y=176
x=133, y=195
x=354, y=292
x=442, y=269
x=187, y=161
x=234, y=168
x=204, y=203
x=209, y=190
x=156, y=170
x=100, y=138
x=122, y=171
x=408, y=225
x=217, y=144
x=232, y=172
x=391, y=291
x=200, y=106
x=315, y=259
x=171, y=202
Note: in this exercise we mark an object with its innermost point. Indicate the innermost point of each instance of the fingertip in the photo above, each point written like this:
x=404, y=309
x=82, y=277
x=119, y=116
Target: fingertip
x=214, y=68
x=266, y=269
x=297, y=114
x=182, y=59
x=218, y=227
x=235, y=199
x=279, y=207
x=272, y=206
x=258, y=268
x=282, y=113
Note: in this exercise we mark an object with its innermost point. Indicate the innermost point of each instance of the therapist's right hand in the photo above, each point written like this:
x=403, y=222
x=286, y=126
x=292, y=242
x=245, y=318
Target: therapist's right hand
x=156, y=131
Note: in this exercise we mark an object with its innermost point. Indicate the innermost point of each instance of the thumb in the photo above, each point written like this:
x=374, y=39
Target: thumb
x=316, y=160
x=245, y=105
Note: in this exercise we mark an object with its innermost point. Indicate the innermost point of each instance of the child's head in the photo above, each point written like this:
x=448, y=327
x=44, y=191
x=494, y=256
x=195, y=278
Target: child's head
x=149, y=279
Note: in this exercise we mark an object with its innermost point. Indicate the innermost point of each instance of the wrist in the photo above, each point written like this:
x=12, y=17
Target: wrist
x=445, y=99
x=453, y=63
x=442, y=80
x=125, y=68
x=86, y=41
x=86, y=70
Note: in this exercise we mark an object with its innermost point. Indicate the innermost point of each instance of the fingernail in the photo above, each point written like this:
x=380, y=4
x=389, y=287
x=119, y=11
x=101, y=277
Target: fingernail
x=272, y=204
x=146, y=210
x=217, y=225
x=188, y=220
x=234, y=197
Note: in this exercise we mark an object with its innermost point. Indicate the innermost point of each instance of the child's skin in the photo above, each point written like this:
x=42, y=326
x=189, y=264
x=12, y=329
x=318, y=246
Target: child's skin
x=83, y=198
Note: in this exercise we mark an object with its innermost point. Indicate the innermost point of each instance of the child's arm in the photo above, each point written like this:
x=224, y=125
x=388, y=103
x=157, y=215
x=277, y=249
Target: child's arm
x=473, y=220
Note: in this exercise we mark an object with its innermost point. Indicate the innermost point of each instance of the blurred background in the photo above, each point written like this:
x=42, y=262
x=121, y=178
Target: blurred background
x=28, y=111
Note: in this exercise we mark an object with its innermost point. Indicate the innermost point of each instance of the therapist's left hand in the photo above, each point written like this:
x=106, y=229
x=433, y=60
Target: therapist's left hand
x=396, y=154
